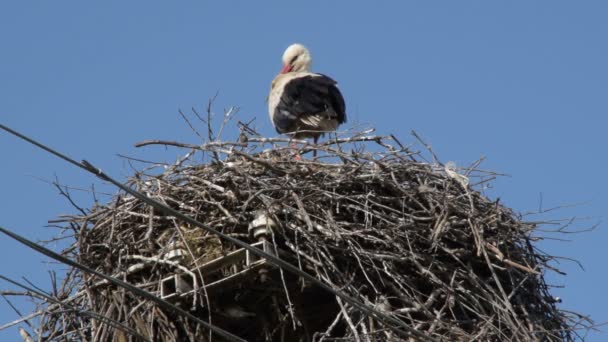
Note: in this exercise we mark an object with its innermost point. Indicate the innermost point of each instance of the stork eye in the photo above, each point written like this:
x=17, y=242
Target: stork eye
x=294, y=59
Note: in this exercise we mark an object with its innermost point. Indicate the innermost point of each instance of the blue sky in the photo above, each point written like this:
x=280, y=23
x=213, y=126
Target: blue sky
x=522, y=83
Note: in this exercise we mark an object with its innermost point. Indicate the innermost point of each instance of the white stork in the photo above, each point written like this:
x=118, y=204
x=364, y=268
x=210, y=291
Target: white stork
x=301, y=103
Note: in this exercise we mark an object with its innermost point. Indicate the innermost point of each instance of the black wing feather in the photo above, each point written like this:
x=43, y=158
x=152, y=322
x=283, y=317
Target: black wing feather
x=308, y=95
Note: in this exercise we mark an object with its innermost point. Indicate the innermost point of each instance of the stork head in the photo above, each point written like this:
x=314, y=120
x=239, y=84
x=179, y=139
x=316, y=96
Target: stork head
x=296, y=58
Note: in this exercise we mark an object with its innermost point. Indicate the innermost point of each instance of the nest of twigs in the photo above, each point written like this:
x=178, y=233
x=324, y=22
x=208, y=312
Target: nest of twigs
x=367, y=216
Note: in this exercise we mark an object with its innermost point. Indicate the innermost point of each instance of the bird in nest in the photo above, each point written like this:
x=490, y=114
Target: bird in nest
x=301, y=103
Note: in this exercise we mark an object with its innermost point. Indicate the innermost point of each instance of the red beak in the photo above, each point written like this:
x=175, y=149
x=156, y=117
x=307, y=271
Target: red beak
x=286, y=68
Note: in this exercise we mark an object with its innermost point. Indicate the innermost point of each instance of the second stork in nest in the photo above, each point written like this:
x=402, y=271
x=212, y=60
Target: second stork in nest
x=301, y=103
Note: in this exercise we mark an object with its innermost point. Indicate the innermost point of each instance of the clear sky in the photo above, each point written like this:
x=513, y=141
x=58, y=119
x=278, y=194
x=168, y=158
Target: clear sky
x=523, y=83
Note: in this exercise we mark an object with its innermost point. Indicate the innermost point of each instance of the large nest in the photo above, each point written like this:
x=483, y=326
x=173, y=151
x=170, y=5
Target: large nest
x=367, y=216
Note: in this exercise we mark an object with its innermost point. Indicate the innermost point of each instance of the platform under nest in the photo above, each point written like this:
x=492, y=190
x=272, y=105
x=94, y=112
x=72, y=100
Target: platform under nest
x=367, y=216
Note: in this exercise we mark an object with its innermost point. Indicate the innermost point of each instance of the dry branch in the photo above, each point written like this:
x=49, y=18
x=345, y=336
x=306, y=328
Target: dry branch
x=365, y=216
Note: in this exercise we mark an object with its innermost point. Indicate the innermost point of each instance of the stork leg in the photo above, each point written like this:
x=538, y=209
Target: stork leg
x=297, y=153
x=314, y=152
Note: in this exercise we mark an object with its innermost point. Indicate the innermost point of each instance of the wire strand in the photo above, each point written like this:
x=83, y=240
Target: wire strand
x=147, y=295
x=85, y=165
x=92, y=314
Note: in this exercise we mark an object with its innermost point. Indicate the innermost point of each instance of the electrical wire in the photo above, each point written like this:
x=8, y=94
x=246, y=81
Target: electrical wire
x=85, y=165
x=91, y=314
x=134, y=289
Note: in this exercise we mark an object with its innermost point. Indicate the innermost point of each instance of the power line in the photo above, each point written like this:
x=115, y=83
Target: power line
x=147, y=295
x=92, y=314
x=85, y=165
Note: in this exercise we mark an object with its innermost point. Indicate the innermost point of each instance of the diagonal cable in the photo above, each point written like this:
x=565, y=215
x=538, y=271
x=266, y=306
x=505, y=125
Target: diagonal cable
x=134, y=289
x=85, y=165
x=91, y=314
